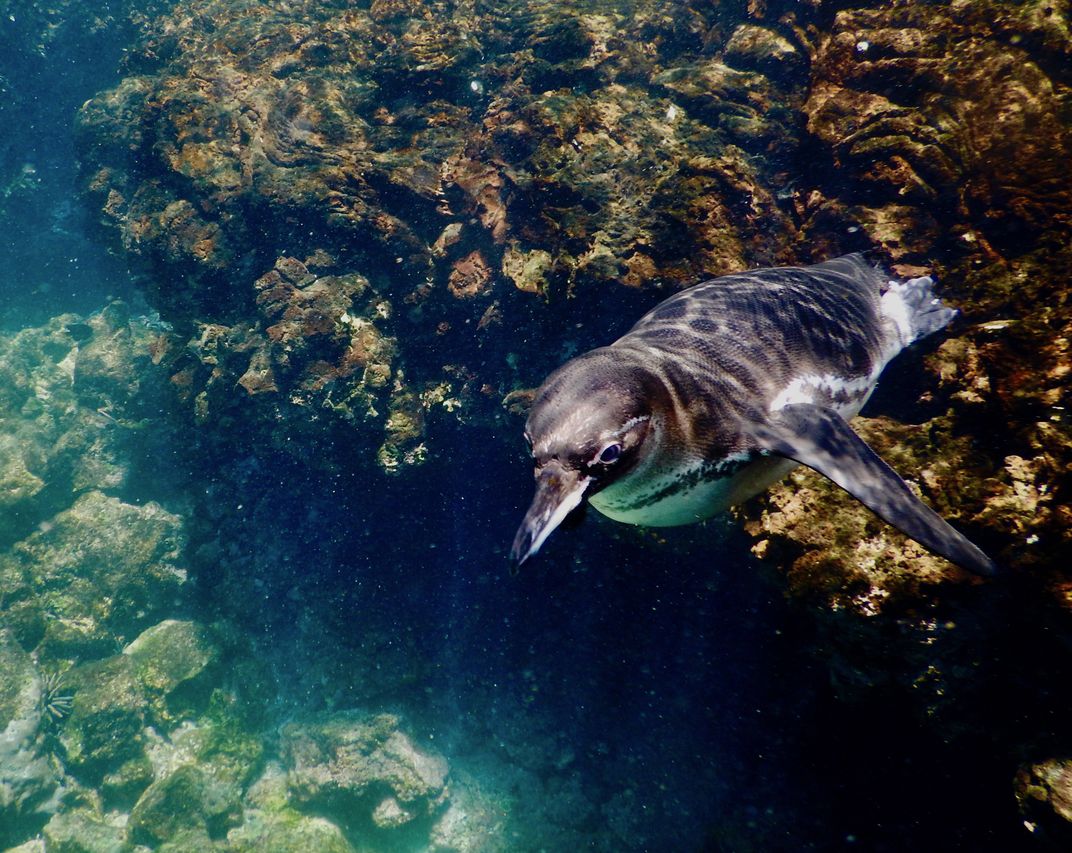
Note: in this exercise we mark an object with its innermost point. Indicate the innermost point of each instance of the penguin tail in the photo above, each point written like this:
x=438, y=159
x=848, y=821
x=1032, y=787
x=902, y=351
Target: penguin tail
x=914, y=309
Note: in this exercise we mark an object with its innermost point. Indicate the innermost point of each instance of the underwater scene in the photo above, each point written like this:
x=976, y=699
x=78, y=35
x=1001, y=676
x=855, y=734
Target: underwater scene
x=279, y=282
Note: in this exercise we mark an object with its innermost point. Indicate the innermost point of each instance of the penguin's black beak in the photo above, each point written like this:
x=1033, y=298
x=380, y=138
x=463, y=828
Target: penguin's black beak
x=559, y=491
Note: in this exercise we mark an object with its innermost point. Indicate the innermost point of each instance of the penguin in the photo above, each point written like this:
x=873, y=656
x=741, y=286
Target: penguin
x=721, y=390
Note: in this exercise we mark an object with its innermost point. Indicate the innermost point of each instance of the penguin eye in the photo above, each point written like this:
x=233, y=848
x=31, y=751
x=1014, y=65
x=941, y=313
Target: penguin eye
x=610, y=453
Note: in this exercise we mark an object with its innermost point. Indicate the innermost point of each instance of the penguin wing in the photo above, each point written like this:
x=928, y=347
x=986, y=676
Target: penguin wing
x=821, y=439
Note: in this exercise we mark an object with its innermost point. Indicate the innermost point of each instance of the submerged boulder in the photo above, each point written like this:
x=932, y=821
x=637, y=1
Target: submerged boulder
x=104, y=729
x=272, y=825
x=82, y=831
x=100, y=570
x=1044, y=794
x=175, y=660
x=187, y=800
x=363, y=770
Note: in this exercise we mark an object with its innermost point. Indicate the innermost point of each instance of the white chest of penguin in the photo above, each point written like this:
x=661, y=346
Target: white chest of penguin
x=688, y=494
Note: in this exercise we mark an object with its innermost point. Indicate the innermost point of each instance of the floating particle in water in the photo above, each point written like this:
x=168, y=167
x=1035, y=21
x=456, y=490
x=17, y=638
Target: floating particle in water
x=863, y=46
x=477, y=86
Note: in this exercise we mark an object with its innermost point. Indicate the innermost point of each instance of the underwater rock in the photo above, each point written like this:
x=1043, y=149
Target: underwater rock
x=74, y=395
x=29, y=775
x=764, y=50
x=271, y=825
x=17, y=483
x=174, y=661
x=112, y=361
x=474, y=821
x=425, y=149
x=121, y=787
x=186, y=800
x=286, y=833
x=470, y=276
x=80, y=831
x=98, y=571
x=979, y=161
x=104, y=728
x=356, y=767
x=34, y=845
x=528, y=270
x=1044, y=794
x=46, y=437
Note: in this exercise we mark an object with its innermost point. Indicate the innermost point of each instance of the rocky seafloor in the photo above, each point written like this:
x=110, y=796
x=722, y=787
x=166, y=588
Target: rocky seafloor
x=364, y=232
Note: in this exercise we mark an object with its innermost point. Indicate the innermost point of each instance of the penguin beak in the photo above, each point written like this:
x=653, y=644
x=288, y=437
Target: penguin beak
x=559, y=491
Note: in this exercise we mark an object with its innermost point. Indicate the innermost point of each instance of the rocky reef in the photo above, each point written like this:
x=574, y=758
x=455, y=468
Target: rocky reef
x=348, y=214
x=135, y=715
x=368, y=230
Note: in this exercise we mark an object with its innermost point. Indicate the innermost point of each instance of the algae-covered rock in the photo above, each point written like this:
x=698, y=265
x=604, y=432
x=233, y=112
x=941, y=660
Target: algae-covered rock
x=174, y=661
x=187, y=799
x=104, y=729
x=220, y=746
x=121, y=787
x=100, y=570
x=286, y=832
x=34, y=845
x=271, y=824
x=72, y=393
x=17, y=483
x=78, y=831
x=349, y=764
x=20, y=688
x=44, y=446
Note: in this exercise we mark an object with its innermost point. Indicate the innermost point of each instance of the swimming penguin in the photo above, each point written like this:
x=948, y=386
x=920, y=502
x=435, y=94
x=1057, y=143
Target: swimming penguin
x=722, y=389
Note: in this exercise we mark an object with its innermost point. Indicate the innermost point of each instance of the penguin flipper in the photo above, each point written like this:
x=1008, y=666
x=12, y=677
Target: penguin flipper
x=821, y=439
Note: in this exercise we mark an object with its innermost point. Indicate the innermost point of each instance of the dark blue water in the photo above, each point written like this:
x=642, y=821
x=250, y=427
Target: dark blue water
x=50, y=259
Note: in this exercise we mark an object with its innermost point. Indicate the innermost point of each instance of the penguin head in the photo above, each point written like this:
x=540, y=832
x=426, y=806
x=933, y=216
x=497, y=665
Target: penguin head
x=590, y=425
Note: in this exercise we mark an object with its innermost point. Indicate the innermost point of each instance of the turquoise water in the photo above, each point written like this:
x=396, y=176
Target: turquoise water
x=219, y=636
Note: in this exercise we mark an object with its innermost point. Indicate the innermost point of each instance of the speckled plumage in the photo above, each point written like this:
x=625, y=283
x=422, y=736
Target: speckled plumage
x=722, y=389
